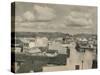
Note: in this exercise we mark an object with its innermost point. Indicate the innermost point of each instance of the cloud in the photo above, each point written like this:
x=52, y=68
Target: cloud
x=44, y=13
x=80, y=19
x=29, y=16
x=18, y=19
x=40, y=17
x=38, y=13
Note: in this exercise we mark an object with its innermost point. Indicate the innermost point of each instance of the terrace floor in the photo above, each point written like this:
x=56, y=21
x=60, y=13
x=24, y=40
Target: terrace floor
x=84, y=60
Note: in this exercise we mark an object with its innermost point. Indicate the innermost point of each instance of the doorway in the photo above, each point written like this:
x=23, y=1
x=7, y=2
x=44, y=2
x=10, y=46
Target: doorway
x=77, y=67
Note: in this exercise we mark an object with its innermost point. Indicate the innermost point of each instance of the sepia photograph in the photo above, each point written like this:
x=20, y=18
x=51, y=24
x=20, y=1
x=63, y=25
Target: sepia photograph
x=53, y=37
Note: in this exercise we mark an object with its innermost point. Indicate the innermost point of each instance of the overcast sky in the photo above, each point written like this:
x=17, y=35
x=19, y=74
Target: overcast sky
x=38, y=17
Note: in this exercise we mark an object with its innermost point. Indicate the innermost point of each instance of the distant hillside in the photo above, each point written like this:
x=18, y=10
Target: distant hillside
x=85, y=35
x=40, y=34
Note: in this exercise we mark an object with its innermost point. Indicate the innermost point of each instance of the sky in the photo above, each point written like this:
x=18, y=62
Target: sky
x=39, y=17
